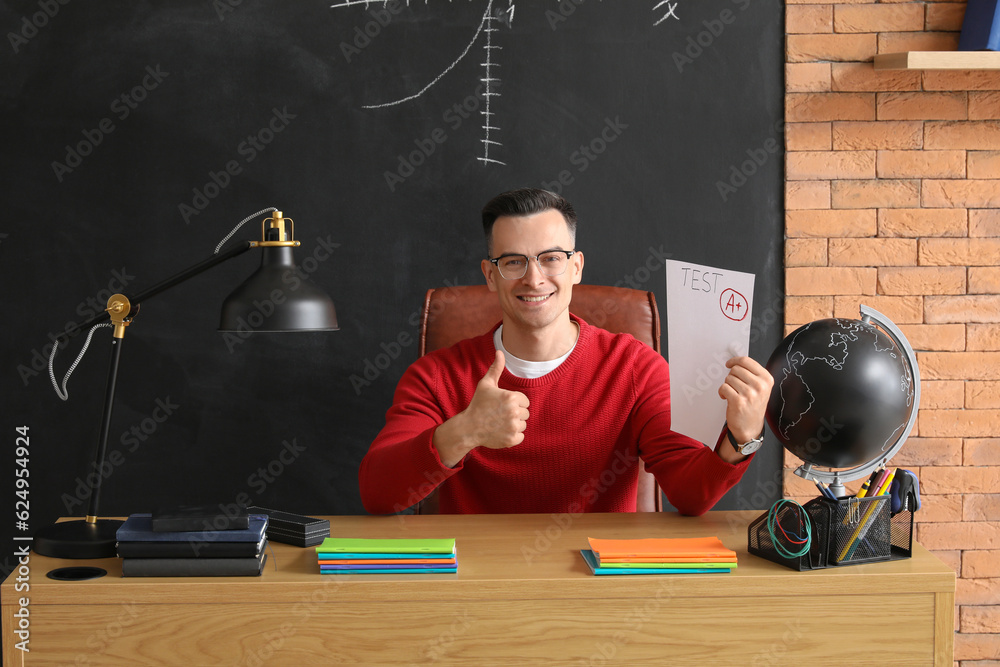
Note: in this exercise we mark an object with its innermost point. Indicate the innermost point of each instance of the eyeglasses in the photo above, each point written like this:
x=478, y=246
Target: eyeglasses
x=551, y=263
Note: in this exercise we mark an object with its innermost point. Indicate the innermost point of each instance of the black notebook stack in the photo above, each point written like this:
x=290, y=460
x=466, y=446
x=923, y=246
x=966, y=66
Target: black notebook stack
x=302, y=531
x=177, y=546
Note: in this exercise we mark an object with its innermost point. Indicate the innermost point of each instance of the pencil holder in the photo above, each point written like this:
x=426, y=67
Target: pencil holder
x=847, y=531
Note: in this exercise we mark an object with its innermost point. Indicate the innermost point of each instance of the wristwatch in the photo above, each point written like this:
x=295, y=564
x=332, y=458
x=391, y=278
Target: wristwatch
x=747, y=448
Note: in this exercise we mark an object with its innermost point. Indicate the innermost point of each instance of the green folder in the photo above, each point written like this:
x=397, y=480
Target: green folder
x=386, y=546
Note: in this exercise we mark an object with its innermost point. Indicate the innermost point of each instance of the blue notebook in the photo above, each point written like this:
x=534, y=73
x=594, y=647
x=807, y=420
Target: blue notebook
x=139, y=528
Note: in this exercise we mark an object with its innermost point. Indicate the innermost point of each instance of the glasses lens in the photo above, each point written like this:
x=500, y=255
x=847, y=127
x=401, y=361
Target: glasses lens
x=513, y=266
x=553, y=263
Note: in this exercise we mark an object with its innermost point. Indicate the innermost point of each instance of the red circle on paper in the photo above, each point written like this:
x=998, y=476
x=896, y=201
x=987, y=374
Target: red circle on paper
x=740, y=301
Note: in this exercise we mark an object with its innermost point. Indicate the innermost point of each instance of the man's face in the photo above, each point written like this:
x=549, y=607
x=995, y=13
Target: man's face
x=535, y=300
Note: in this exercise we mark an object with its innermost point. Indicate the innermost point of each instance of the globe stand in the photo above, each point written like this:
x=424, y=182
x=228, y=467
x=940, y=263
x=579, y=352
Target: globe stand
x=835, y=478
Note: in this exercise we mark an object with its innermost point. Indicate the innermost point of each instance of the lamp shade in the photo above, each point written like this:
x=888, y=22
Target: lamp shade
x=277, y=297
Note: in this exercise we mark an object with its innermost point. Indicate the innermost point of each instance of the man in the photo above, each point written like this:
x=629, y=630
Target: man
x=546, y=413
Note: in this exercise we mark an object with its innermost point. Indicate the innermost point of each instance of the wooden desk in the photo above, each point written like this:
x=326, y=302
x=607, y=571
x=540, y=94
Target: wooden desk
x=522, y=595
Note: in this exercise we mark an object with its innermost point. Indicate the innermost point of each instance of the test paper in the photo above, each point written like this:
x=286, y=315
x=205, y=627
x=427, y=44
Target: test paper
x=708, y=322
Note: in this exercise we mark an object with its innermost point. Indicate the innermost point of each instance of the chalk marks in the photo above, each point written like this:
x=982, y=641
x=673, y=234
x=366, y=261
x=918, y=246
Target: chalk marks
x=490, y=78
x=667, y=6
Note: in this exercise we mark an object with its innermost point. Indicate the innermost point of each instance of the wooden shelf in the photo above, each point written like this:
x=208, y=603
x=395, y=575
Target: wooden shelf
x=939, y=60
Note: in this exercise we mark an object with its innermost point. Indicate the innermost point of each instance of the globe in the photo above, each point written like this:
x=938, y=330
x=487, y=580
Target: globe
x=843, y=393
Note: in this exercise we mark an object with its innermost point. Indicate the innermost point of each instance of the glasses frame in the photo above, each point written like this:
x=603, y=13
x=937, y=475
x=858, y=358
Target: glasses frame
x=495, y=261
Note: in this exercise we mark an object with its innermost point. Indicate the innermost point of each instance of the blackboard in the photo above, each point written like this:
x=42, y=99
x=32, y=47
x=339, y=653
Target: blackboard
x=137, y=134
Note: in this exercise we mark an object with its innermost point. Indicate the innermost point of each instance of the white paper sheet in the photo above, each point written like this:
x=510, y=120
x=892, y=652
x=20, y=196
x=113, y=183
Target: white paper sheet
x=708, y=322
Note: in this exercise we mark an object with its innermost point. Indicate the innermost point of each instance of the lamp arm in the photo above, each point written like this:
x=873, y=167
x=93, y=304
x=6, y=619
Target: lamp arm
x=162, y=286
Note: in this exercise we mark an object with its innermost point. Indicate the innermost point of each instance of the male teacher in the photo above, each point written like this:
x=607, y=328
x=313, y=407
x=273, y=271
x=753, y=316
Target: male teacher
x=536, y=414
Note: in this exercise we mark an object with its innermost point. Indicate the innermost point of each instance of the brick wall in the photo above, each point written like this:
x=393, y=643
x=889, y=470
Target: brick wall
x=892, y=198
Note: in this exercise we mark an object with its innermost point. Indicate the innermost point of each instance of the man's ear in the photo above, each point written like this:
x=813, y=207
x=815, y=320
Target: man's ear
x=488, y=269
x=577, y=260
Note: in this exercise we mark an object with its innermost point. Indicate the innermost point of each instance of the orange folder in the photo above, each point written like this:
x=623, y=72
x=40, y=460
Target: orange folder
x=688, y=548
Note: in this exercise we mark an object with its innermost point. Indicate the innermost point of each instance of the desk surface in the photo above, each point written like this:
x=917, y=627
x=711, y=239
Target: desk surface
x=524, y=586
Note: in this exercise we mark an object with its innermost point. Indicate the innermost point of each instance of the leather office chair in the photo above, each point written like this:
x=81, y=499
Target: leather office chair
x=452, y=314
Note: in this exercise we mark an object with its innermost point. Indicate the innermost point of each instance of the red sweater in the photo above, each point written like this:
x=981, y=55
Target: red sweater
x=591, y=419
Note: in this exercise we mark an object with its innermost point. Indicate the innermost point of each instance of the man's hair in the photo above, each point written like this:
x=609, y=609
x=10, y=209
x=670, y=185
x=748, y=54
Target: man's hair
x=524, y=202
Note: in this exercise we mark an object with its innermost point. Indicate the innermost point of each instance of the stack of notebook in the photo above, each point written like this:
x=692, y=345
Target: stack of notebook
x=339, y=555
x=146, y=552
x=659, y=556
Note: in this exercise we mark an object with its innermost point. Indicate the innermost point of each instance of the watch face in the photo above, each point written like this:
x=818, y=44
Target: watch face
x=750, y=447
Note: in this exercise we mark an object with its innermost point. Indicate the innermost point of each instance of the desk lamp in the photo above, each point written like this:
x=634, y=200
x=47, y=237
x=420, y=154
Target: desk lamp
x=294, y=304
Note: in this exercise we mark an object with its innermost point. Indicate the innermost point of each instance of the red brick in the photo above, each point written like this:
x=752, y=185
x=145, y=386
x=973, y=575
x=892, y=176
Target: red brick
x=817, y=281
x=984, y=105
x=875, y=194
x=893, y=42
x=801, y=195
x=878, y=18
x=937, y=509
x=806, y=19
x=984, y=279
x=807, y=77
x=817, y=107
x=968, y=135
x=962, y=308
x=981, y=452
x=808, y=136
x=982, y=619
x=958, y=252
x=830, y=223
x=920, y=280
x=873, y=252
x=960, y=193
x=841, y=48
x=913, y=222
x=984, y=164
x=960, y=366
x=984, y=223
x=976, y=647
x=866, y=135
x=917, y=452
x=960, y=80
x=976, y=592
x=980, y=564
x=940, y=395
x=983, y=337
x=935, y=337
x=969, y=647
x=966, y=535
x=957, y=423
x=805, y=252
x=862, y=77
x=921, y=106
x=982, y=394
x=945, y=16
x=826, y=165
x=982, y=507
x=921, y=164
x=899, y=309
x=804, y=309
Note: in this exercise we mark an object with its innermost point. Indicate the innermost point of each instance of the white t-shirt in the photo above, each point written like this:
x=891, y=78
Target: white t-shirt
x=527, y=369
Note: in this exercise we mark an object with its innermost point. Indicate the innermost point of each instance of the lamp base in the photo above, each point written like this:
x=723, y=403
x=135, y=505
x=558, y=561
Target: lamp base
x=78, y=539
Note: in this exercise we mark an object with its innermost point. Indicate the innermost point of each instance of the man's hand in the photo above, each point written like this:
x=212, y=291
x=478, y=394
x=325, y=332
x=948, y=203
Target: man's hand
x=496, y=418
x=746, y=391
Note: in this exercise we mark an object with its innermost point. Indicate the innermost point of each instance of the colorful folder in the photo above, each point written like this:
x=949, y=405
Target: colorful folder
x=339, y=555
x=701, y=555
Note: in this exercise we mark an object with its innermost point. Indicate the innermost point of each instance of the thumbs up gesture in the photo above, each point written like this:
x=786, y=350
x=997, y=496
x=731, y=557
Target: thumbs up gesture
x=497, y=417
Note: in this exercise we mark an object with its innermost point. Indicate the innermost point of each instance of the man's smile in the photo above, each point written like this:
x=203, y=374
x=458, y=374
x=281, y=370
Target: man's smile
x=533, y=298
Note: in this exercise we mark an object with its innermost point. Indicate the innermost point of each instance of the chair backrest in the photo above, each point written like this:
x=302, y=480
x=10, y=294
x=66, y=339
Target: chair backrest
x=452, y=314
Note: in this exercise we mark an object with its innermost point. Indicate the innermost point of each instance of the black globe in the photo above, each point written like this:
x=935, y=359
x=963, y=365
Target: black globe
x=842, y=395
